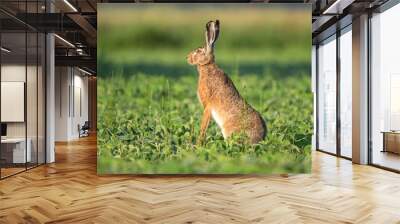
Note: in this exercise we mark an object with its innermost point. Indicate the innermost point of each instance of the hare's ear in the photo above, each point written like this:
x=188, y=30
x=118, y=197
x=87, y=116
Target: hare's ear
x=215, y=31
x=208, y=37
x=212, y=33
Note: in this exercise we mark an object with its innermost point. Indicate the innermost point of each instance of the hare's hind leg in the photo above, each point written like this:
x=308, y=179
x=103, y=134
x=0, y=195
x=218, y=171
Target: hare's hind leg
x=205, y=121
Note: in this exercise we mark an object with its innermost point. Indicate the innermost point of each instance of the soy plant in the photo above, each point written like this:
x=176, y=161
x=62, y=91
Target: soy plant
x=153, y=123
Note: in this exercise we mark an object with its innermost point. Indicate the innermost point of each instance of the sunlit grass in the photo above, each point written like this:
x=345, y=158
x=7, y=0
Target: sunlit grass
x=150, y=124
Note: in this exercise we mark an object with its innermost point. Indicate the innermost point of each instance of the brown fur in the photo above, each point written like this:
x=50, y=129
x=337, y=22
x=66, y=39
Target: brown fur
x=218, y=95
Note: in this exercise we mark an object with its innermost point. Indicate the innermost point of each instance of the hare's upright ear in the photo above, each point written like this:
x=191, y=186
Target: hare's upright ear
x=212, y=33
x=208, y=37
x=215, y=29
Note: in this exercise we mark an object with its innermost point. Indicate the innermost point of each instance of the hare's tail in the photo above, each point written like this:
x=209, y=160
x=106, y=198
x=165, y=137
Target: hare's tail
x=264, y=125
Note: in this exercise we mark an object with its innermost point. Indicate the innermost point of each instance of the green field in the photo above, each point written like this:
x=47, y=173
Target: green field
x=148, y=111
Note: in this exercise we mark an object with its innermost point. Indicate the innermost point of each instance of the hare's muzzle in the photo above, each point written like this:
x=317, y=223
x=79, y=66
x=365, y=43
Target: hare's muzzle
x=189, y=59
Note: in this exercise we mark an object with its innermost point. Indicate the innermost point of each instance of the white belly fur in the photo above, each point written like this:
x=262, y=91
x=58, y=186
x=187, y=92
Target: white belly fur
x=218, y=119
x=198, y=97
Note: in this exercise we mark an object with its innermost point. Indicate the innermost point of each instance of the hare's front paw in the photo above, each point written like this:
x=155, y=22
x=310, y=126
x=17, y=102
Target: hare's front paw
x=200, y=141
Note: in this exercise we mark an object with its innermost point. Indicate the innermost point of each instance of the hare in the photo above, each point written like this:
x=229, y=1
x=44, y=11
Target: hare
x=219, y=96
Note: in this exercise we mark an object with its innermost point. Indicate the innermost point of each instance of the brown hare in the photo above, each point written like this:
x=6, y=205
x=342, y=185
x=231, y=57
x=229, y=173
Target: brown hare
x=219, y=96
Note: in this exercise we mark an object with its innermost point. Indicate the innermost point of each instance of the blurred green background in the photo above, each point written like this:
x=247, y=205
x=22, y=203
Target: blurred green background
x=148, y=111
